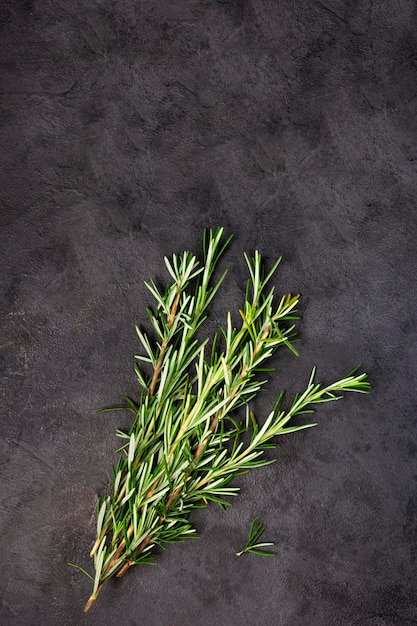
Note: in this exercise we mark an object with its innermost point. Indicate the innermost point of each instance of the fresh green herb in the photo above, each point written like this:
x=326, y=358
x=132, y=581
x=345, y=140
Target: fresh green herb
x=75, y=566
x=185, y=444
x=255, y=532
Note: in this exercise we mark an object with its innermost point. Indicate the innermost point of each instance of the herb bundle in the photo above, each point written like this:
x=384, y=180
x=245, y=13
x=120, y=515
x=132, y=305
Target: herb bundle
x=186, y=444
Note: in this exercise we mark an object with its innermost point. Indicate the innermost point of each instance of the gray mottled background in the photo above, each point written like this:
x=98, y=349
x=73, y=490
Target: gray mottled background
x=128, y=126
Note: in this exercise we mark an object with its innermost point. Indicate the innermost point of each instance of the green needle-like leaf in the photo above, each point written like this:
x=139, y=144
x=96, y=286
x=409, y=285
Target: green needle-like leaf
x=81, y=570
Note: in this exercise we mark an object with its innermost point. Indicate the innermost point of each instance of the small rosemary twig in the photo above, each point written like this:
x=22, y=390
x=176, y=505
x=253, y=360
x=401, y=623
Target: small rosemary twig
x=251, y=545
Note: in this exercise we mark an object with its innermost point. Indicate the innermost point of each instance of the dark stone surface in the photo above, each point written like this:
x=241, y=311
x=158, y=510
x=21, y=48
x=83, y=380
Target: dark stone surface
x=127, y=127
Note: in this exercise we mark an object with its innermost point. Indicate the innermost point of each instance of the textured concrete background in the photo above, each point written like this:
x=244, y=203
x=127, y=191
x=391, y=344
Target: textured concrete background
x=127, y=127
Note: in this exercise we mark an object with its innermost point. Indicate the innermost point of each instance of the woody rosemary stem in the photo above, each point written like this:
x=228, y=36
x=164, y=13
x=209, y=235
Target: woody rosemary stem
x=122, y=545
x=158, y=366
x=188, y=438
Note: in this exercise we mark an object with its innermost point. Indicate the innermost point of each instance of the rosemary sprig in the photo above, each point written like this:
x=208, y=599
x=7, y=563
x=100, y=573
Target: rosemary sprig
x=185, y=445
x=255, y=531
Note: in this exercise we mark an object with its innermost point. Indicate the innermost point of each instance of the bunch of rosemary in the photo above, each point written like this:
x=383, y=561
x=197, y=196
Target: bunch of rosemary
x=185, y=444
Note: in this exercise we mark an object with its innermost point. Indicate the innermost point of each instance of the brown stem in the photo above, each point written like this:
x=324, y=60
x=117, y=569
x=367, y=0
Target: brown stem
x=263, y=337
x=202, y=444
x=119, y=550
x=160, y=361
x=173, y=496
x=158, y=368
x=129, y=562
x=92, y=598
x=124, y=569
x=89, y=603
